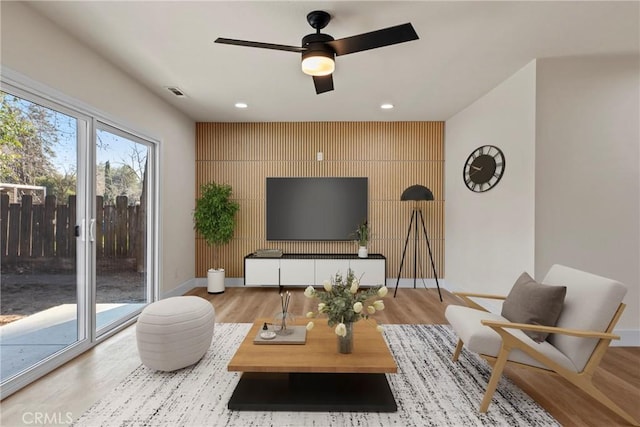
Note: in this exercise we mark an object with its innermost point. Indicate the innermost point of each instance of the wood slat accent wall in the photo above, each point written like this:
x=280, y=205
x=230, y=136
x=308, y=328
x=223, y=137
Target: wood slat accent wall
x=393, y=155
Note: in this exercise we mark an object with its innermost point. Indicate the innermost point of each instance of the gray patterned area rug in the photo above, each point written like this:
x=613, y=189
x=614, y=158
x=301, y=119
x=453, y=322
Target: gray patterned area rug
x=429, y=388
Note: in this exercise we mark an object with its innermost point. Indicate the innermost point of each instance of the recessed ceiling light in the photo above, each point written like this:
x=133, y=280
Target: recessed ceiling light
x=386, y=106
x=241, y=105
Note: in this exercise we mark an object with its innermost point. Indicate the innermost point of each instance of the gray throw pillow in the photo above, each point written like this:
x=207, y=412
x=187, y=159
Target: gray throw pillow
x=534, y=303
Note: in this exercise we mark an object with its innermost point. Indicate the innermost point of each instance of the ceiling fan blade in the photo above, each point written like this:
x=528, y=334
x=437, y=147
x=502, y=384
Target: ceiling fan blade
x=260, y=45
x=374, y=39
x=323, y=83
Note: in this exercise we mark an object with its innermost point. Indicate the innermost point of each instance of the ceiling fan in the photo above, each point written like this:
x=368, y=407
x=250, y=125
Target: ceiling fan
x=318, y=50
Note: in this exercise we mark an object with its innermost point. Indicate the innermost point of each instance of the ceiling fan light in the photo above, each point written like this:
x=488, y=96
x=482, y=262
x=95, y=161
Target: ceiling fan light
x=318, y=63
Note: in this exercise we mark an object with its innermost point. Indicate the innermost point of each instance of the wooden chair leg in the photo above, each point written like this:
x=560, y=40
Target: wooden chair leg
x=498, y=367
x=456, y=353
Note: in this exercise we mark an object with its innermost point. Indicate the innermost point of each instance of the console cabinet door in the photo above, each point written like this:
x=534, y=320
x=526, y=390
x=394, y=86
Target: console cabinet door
x=261, y=272
x=327, y=269
x=297, y=272
x=371, y=272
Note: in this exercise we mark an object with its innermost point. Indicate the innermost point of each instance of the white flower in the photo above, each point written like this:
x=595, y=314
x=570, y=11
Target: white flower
x=310, y=314
x=321, y=307
x=310, y=326
x=341, y=330
x=354, y=286
x=371, y=309
x=378, y=305
x=309, y=292
x=327, y=285
x=380, y=328
x=382, y=292
x=357, y=307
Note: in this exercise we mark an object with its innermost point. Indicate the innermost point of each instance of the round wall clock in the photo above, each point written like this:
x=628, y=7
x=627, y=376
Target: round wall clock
x=484, y=168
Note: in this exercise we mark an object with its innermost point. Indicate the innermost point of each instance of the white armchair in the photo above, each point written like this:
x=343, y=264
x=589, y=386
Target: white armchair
x=592, y=307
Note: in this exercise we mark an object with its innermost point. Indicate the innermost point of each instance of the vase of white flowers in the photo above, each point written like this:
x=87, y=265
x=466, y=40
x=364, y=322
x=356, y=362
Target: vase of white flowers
x=344, y=303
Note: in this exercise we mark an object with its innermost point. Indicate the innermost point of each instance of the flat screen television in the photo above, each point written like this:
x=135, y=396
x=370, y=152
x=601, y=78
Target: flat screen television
x=315, y=208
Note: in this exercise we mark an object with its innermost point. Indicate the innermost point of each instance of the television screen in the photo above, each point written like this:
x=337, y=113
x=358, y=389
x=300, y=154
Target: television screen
x=315, y=208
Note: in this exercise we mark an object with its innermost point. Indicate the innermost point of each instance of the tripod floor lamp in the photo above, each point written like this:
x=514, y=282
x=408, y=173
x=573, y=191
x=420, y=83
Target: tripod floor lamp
x=417, y=193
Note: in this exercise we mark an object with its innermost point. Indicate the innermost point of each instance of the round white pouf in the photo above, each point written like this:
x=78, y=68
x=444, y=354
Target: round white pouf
x=175, y=332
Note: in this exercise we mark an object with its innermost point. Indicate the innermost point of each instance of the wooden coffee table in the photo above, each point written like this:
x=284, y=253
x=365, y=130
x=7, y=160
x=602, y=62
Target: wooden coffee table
x=314, y=376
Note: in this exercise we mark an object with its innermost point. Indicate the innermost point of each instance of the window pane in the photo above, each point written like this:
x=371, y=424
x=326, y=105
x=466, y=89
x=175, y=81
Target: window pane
x=121, y=226
x=38, y=186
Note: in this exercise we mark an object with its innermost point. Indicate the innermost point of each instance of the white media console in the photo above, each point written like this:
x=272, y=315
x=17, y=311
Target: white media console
x=312, y=269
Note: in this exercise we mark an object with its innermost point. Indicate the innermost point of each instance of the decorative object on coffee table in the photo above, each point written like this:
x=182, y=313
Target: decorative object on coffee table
x=296, y=334
x=345, y=343
x=283, y=316
x=344, y=303
x=417, y=193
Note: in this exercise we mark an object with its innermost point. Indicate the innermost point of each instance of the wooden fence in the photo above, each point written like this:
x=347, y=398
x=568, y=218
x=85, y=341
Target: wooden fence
x=34, y=231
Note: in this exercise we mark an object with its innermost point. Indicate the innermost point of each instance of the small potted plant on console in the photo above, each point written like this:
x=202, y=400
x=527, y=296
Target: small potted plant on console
x=362, y=236
x=214, y=219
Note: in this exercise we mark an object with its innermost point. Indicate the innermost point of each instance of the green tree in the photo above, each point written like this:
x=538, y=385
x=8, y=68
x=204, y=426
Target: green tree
x=127, y=182
x=214, y=216
x=13, y=128
x=62, y=185
x=27, y=135
x=109, y=192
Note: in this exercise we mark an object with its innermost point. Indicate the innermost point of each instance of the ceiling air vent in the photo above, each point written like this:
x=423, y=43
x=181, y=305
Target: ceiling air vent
x=176, y=91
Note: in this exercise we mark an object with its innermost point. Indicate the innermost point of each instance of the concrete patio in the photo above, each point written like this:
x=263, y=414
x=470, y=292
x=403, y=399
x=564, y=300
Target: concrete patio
x=34, y=338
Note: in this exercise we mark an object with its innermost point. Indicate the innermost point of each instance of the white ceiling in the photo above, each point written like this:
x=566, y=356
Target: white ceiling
x=465, y=49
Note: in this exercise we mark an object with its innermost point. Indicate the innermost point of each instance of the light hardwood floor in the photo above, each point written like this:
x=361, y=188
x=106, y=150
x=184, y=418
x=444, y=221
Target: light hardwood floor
x=74, y=387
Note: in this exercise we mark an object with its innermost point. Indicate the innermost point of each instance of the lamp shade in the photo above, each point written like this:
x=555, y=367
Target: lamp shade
x=417, y=192
x=318, y=63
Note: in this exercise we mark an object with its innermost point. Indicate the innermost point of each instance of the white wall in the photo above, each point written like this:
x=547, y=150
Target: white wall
x=33, y=47
x=570, y=131
x=587, y=173
x=490, y=235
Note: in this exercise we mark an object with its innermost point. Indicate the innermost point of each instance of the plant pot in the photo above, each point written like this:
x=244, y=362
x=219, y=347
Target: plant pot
x=215, y=281
x=363, y=252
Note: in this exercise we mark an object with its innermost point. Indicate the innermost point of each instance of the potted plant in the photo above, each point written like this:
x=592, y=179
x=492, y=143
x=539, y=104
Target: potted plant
x=214, y=219
x=362, y=236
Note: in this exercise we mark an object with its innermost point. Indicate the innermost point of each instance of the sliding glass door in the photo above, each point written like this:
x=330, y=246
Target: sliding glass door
x=122, y=166
x=41, y=259
x=77, y=232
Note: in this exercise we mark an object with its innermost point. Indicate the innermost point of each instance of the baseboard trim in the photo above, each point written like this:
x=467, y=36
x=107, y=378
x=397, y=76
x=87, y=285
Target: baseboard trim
x=628, y=338
x=229, y=282
x=182, y=288
x=238, y=282
x=419, y=283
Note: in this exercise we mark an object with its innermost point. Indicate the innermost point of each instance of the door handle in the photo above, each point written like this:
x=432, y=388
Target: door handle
x=92, y=230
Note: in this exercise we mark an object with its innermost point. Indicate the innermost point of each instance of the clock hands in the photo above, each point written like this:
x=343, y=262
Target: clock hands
x=477, y=169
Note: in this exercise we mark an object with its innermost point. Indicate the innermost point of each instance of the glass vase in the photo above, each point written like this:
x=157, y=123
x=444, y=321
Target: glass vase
x=282, y=323
x=345, y=343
